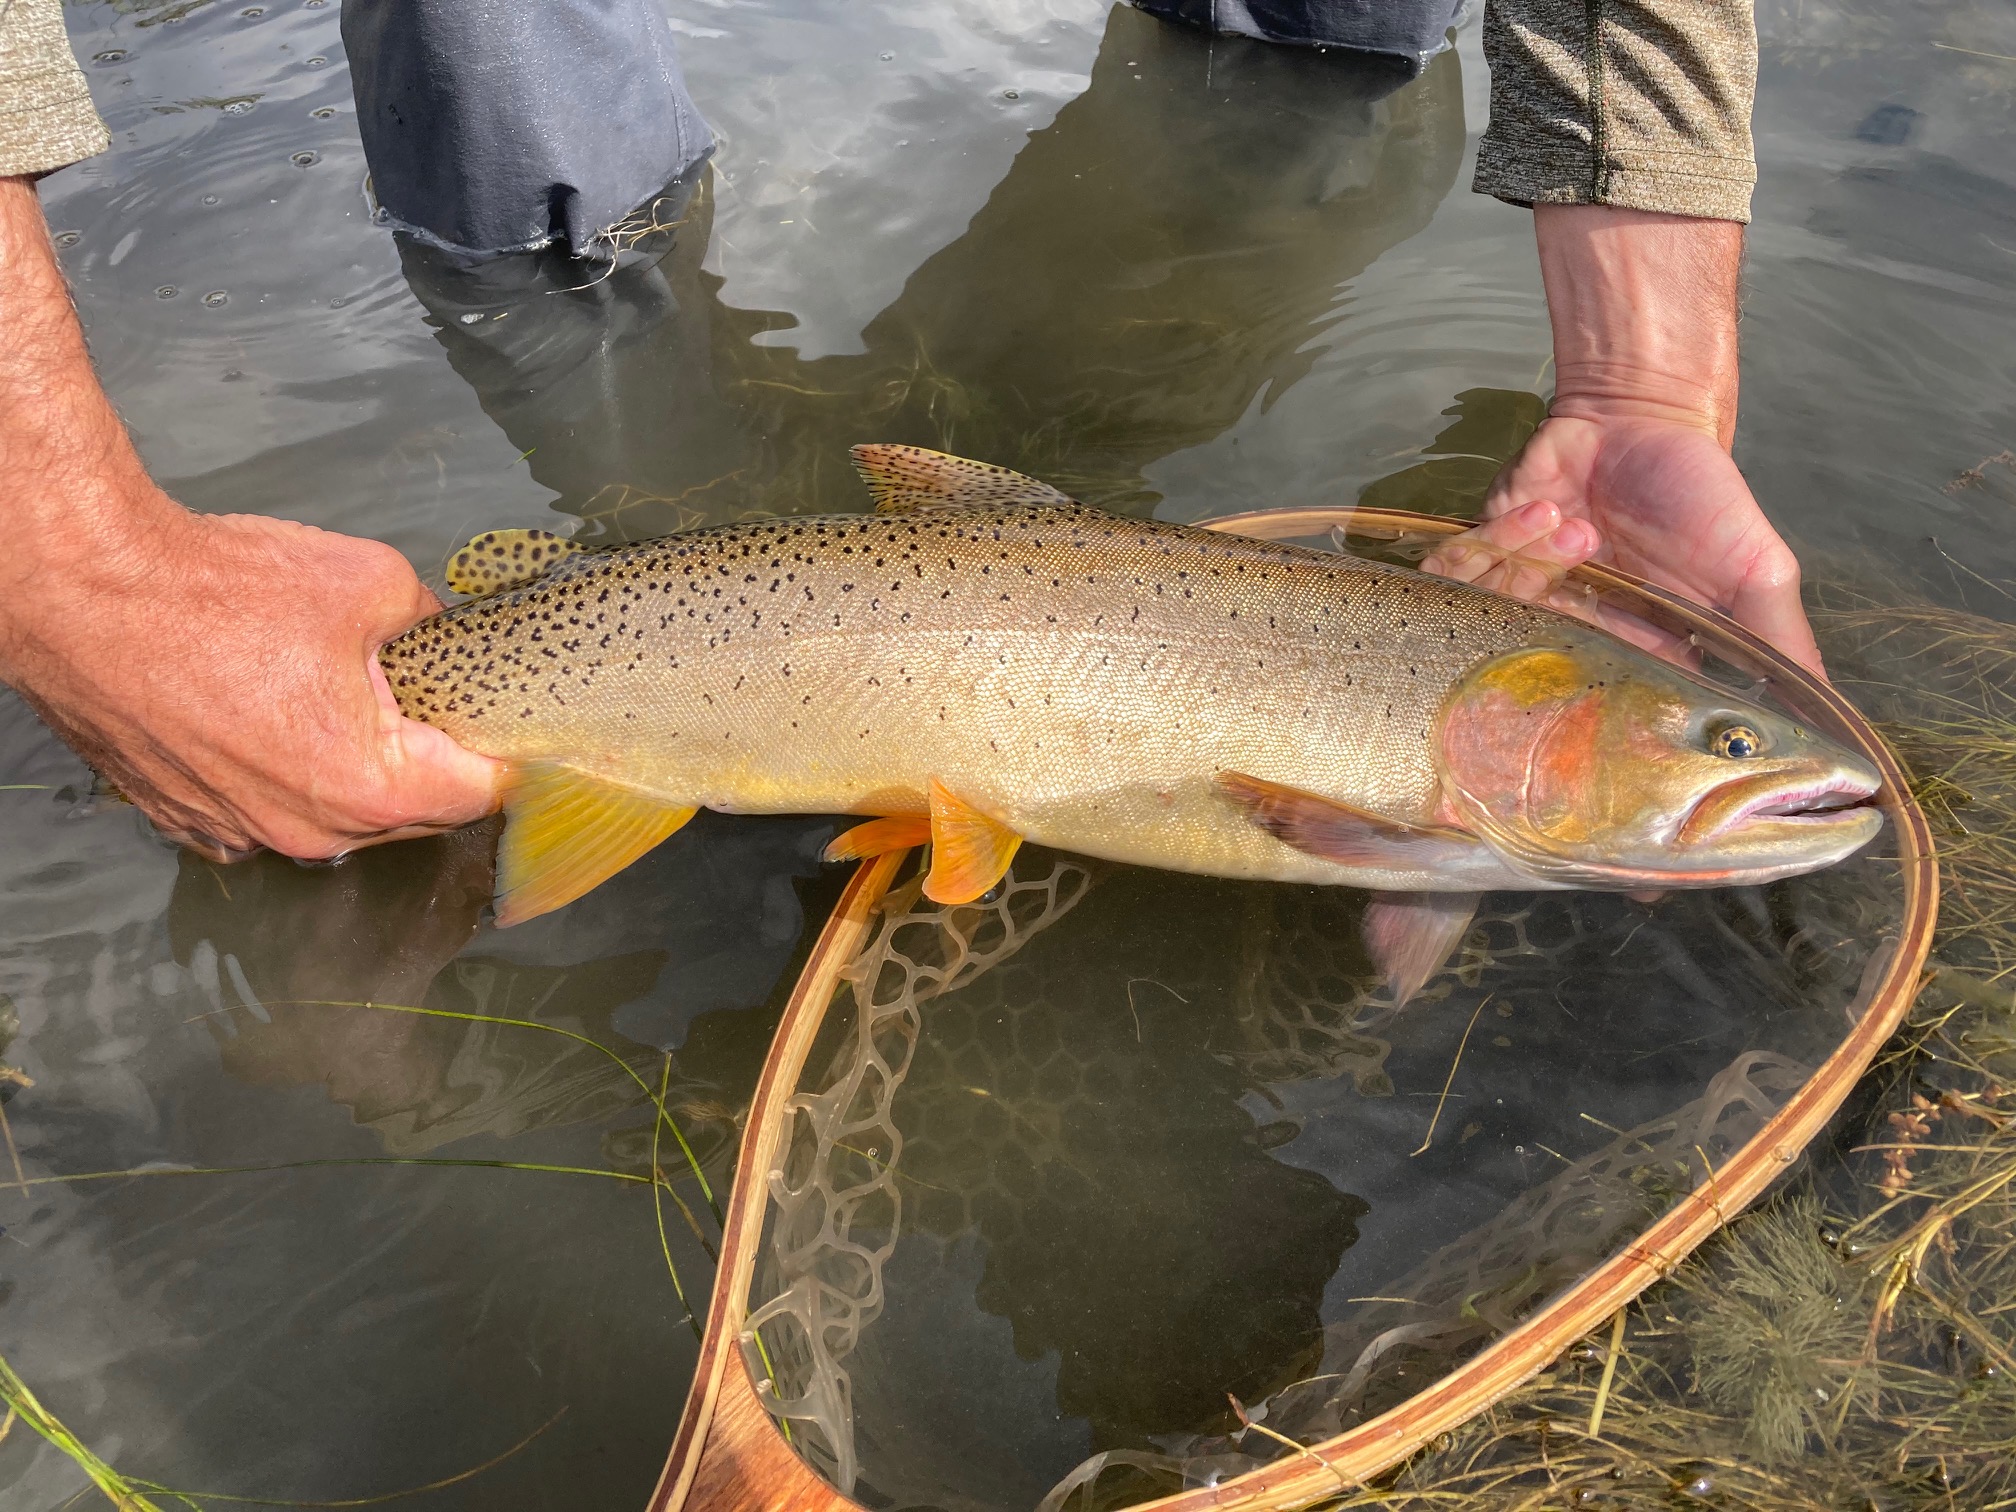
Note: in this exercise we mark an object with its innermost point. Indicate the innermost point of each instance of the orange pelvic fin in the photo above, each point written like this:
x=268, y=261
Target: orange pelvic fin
x=1410, y=935
x=878, y=837
x=969, y=851
x=566, y=831
x=910, y=477
x=1338, y=832
x=500, y=559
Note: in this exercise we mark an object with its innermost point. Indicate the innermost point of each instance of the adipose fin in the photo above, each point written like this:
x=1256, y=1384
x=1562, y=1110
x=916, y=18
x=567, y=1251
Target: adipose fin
x=500, y=559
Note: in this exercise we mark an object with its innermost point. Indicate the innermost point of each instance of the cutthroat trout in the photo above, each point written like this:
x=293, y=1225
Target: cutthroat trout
x=984, y=661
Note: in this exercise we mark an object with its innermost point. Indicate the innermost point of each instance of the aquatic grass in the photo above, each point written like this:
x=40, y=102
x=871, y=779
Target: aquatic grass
x=23, y=1406
x=658, y=1186
x=657, y=1101
x=195, y=1498
x=136, y=1494
x=134, y=1172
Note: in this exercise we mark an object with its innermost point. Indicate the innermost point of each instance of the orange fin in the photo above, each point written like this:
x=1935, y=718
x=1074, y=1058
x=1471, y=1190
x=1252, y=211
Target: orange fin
x=969, y=851
x=878, y=837
x=500, y=559
x=1338, y=832
x=1410, y=935
x=909, y=477
x=565, y=832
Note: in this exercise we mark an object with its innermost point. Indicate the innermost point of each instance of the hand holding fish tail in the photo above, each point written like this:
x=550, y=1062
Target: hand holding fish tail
x=276, y=727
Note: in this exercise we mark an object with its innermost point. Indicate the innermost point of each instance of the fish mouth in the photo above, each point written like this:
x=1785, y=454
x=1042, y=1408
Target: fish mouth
x=1840, y=799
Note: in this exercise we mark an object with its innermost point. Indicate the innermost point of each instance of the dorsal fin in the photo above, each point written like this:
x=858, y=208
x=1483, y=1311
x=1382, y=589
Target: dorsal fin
x=500, y=559
x=910, y=477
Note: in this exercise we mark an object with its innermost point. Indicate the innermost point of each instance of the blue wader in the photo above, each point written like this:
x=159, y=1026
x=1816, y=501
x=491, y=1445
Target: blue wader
x=497, y=126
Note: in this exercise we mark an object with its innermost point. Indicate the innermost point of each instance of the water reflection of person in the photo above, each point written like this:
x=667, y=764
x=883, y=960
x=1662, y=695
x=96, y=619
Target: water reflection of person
x=306, y=969
x=1127, y=289
x=238, y=710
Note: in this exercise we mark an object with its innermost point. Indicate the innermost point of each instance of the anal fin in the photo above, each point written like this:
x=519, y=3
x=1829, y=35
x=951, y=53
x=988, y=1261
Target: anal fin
x=878, y=837
x=500, y=559
x=1338, y=832
x=1411, y=935
x=969, y=851
x=911, y=477
x=566, y=831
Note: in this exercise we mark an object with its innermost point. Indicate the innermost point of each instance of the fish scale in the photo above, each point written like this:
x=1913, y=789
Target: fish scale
x=1077, y=675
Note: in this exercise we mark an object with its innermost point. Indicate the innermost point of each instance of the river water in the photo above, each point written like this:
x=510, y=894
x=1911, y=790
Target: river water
x=1168, y=274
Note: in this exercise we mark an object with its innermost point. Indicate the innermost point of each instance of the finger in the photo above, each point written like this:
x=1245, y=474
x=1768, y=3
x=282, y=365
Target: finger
x=446, y=783
x=426, y=602
x=1469, y=556
x=437, y=781
x=1535, y=572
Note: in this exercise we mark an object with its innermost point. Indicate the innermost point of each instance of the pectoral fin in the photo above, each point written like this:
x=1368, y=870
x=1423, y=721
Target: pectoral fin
x=878, y=837
x=1410, y=935
x=969, y=851
x=565, y=832
x=500, y=559
x=1338, y=832
x=909, y=477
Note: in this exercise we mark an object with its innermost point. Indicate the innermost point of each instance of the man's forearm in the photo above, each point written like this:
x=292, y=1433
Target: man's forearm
x=75, y=488
x=1644, y=314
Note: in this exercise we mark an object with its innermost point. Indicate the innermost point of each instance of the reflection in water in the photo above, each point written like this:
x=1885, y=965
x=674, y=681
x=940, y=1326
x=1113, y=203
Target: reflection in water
x=307, y=969
x=1487, y=427
x=1136, y=283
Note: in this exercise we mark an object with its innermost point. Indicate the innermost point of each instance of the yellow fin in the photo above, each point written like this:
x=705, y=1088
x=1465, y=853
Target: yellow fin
x=969, y=851
x=909, y=477
x=565, y=832
x=878, y=837
x=500, y=559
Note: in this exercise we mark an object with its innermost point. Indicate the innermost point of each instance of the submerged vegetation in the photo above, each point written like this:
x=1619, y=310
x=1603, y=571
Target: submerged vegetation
x=131, y=1493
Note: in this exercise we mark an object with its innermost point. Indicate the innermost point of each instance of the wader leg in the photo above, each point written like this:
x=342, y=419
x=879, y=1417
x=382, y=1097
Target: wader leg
x=1410, y=30
x=497, y=125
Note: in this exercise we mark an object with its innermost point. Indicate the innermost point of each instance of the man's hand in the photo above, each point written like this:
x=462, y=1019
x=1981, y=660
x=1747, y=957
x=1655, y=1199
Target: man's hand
x=1632, y=465
x=219, y=671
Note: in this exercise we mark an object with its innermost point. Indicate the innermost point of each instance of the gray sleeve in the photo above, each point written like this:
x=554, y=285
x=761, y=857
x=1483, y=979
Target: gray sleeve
x=1643, y=104
x=46, y=117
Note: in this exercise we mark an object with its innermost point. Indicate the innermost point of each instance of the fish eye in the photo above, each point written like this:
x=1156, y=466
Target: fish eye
x=1735, y=741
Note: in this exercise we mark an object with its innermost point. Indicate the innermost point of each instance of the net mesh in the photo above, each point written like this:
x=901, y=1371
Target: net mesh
x=1471, y=1290
x=1305, y=1006
x=1312, y=1009
x=836, y=1209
